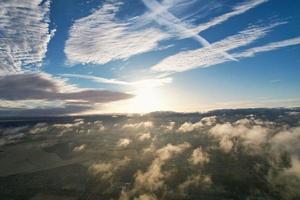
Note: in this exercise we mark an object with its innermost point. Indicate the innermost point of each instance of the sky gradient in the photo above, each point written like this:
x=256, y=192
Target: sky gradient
x=114, y=56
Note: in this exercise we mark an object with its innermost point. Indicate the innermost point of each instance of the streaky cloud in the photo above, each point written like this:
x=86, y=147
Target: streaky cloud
x=208, y=56
x=162, y=16
x=24, y=35
x=237, y=10
x=154, y=82
x=269, y=47
x=101, y=37
x=53, y=93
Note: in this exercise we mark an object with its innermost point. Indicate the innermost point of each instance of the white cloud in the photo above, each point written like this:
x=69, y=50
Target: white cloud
x=169, y=127
x=106, y=170
x=146, y=197
x=25, y=34
x=79, y=148
x=145, y=125
x=208, y=56
x=124, y=142
x=288, y=140
x=204, y=122
x=101, y=37
x=237, y=10
x=144, y=136
x=269, y=47
x=153, y=178
x=188, y=126
x=295, y=168
x=162, y=16
x=199, y=157
x=197, y=181
x=254, y=134
x=154, y=82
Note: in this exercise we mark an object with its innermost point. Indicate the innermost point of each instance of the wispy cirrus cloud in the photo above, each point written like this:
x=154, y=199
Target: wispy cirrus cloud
x=162, y=16
x=188, y=60
x=208, y=56
x=237, y=10
x=101, y=37
x=153, y=82
x=24, y=34
x=269, y=47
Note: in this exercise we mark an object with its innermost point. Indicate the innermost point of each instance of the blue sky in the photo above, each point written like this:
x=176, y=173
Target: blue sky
x=148, y=55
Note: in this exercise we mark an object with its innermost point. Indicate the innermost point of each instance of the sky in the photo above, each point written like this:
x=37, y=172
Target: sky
x=135, y=56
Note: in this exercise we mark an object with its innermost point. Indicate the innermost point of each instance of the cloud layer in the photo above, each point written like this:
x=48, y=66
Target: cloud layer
x=43, y=87
x=244, y=154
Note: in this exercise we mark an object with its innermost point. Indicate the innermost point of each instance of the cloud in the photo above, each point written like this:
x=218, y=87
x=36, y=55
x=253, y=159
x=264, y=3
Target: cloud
x=269, y=47
x=153, y=178
x=295, y=168
x=204, y=122
x=199, y=157
x=208, y=56
x=154, y=82
x=124, y=142
x=144, y=136
x=106, y=170
x=162, y=16
x=43, y=87
x=169, y=127
x=288, y=140
x=196, y=181
x=252, y=132
x=25, y=34
x=101, y=37
x=146, y=197
x=79, y=148
x=145, y=125
x=237, y=10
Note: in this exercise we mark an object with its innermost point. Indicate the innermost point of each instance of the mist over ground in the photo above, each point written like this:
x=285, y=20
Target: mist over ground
x=225, y=154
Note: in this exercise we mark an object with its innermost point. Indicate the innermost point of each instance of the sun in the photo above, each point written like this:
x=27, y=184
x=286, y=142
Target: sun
x=147, y=99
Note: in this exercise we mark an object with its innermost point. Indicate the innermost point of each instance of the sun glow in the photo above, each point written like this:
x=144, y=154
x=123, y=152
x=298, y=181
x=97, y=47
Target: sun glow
x=147, y=99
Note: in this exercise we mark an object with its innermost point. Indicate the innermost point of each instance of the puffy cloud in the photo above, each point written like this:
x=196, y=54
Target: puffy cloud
x=146, y=125
x=199, y=157
x=79, y=148
x=124, y=142
x=106, y=170
x=169, y=127
x=204, y=122
x=39, y=128
x=196, y=181
x=188, y=126
x=25, y=34
x=146, y=197
x=144, y=136
x=295, y=168
x=251, y=134
x=101, y=37
x=288, y=140
x=153, y=178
